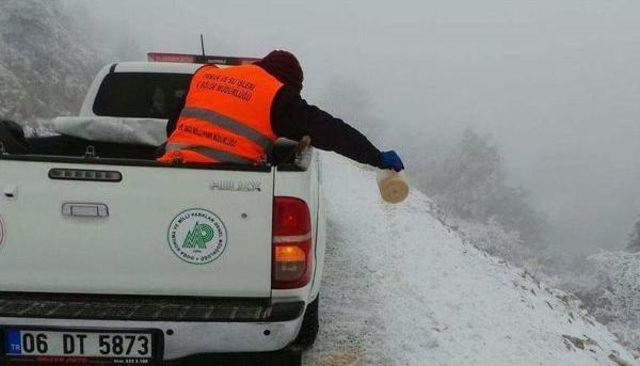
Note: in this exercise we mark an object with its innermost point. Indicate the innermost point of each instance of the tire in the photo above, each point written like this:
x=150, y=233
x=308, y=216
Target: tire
x=309, y=329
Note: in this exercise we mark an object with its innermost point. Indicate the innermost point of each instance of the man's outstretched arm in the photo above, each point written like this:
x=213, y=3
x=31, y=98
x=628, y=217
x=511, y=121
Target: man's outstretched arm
x=292, y=117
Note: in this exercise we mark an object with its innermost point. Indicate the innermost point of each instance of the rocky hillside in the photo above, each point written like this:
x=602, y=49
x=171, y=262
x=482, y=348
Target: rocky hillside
x=46, y=59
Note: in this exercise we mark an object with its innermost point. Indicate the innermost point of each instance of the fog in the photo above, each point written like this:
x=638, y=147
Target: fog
x=555, y=83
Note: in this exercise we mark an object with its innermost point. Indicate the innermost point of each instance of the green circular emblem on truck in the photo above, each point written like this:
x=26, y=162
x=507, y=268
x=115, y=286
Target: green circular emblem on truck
x=197, y=236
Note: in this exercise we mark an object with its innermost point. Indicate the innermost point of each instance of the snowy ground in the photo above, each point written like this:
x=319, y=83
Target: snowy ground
x=401, y=288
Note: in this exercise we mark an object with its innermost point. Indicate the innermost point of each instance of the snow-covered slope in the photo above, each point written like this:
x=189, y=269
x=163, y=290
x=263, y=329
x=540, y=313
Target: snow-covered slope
x=402, y=288
x=47, y=60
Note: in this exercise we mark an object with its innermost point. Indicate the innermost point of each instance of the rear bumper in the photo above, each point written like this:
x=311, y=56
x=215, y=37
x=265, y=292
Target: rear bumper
x=189, y=325
x=182, y=339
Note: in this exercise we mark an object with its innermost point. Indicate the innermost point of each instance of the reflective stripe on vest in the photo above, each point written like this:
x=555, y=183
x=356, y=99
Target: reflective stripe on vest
x=226, y=117
x=229, y=124
x=215, y=155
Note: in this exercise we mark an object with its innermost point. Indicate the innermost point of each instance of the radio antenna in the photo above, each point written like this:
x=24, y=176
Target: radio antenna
x=202, y=44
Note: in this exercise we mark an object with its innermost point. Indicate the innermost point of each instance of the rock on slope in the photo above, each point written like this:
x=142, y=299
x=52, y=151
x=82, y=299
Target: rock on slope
x=402, y=288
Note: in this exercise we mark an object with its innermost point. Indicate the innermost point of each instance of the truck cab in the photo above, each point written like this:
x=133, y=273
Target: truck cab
x=109, y=256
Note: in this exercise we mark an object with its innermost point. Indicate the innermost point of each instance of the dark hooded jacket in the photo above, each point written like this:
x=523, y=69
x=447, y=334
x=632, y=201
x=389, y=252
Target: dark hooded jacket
x=293, y=118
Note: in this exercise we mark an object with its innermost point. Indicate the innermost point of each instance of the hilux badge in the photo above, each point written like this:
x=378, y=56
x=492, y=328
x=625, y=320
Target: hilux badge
x=236, y=186
x=197, y=236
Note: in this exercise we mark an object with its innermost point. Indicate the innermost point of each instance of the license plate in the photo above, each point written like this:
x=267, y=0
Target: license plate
x=80, y=346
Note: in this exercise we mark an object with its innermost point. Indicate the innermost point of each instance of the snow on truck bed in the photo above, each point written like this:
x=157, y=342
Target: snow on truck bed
x=401, y=288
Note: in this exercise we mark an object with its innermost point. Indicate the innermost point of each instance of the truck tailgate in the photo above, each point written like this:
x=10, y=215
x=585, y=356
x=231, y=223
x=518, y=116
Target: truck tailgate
x=158, y=231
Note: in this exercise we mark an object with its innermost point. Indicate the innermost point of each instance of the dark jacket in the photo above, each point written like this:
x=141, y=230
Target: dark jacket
x=292, y=117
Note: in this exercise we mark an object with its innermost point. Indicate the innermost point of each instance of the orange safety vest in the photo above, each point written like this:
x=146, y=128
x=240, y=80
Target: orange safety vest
x=226, y=117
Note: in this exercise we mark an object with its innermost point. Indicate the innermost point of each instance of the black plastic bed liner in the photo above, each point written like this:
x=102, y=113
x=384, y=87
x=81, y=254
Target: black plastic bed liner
x=63, y=145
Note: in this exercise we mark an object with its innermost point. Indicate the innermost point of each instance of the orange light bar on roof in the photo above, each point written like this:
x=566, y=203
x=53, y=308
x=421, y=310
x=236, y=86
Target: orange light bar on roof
x=199, y=59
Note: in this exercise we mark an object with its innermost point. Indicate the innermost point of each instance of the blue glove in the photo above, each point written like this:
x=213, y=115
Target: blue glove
x=390, y=160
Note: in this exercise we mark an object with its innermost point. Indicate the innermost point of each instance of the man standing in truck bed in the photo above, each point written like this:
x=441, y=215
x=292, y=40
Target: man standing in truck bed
x=235, y=114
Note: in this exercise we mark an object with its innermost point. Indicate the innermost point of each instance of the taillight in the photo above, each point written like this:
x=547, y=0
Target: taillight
x=291, y=243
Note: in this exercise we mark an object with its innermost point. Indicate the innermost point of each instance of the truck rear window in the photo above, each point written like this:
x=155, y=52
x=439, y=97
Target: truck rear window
x=140, y=95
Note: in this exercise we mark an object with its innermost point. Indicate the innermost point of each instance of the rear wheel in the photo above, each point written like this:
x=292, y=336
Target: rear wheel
x=309, y=329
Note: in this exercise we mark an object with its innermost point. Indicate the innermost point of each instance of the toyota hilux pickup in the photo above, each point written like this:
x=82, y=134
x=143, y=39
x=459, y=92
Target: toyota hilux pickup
x=109, y=257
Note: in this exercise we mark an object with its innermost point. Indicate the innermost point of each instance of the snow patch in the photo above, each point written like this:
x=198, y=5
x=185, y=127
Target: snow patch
x=401, y=287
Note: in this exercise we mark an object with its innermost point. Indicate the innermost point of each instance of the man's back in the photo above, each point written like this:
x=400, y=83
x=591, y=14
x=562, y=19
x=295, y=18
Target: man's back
x=289, y=115
x=225, y=117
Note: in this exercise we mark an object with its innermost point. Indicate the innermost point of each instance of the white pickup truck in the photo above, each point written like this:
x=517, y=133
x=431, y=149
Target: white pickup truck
x=108, y=257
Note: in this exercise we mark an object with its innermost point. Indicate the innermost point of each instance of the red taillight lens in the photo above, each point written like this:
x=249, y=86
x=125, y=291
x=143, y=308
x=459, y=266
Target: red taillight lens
x=291, y=243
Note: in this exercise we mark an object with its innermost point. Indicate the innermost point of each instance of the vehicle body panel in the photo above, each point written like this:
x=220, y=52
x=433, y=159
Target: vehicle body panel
x=192, y=337
x=128, y=252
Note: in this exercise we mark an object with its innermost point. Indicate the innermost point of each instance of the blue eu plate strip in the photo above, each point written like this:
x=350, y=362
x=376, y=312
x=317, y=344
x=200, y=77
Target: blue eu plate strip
x=12, y=345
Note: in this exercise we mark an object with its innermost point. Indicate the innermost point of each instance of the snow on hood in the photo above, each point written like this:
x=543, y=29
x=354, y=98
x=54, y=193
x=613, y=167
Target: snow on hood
x=140, y=131
x=400, y=287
